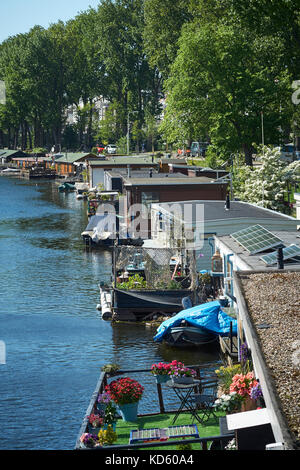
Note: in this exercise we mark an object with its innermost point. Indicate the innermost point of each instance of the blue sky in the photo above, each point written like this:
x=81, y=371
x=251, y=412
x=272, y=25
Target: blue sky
x=19, y=16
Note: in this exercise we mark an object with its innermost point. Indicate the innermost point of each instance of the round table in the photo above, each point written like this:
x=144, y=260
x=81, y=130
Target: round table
x=184, y=391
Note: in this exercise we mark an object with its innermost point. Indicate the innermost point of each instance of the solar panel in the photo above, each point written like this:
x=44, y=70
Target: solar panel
x=288, y=253
x=256, y=239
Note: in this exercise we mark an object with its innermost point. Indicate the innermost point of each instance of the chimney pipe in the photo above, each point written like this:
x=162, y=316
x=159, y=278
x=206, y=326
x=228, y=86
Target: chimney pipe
x=128, y=171
x=280, y=263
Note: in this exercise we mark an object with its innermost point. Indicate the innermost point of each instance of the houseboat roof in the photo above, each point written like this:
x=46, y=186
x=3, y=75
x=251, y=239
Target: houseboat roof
x=177, y=161
x=165, y=180
x=28, y=159
x=143, y=173
x=215, y=211
x=71, y=157
x=122, y=161
x=198, y=168
x=255, y=261
x=8, y=153
x=268, y=305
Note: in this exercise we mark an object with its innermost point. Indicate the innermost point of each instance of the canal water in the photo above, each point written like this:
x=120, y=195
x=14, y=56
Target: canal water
x=54, y=339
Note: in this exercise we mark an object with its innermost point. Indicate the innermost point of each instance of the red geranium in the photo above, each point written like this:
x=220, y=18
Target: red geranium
x=160, y=369
x=125, y=390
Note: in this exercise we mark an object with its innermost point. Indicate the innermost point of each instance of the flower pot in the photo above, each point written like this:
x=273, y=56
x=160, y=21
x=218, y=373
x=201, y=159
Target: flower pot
x=182, y=380
x=161, y=379
x=114, y=426
x=248, y=404
x=129, y=411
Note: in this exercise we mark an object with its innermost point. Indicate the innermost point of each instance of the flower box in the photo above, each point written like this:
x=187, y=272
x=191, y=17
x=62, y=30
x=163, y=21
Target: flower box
x=161, y=379
x=182, y=380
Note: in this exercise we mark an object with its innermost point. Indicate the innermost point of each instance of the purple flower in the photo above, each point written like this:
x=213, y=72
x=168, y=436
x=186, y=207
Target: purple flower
x=244, y=352
x=104, y=398
x=256, y=392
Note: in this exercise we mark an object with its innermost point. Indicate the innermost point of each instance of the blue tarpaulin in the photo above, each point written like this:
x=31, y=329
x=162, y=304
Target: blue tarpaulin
x=209, y=316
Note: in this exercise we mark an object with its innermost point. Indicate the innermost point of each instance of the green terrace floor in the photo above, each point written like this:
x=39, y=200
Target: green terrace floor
x=209, y=428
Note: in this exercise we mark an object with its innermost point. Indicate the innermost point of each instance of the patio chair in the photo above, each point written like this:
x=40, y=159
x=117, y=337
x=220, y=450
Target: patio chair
x=204, y=403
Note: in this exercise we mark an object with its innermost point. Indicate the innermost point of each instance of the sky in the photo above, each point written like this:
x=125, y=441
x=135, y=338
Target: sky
x=19, y=16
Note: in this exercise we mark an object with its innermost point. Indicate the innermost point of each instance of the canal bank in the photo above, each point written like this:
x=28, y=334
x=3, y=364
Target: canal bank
x=56, y=341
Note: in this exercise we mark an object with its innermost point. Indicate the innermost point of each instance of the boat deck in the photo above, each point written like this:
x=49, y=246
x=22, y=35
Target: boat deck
x=160, y=407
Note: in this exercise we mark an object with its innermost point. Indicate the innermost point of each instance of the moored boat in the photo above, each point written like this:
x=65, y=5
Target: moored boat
x=150, y=282
x=197, y=326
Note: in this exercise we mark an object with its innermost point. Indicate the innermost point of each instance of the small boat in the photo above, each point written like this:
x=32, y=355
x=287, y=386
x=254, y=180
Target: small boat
x=197, y=326
x=65, y=187
x=186, y=335
x=11, y=170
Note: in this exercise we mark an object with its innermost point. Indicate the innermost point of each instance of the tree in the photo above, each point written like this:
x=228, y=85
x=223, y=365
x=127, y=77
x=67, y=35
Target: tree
x=163, y=23
x=266, y=185
x=227, y=78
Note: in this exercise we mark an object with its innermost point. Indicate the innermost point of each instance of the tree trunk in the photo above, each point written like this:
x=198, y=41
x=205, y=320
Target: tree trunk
x=248, y=151
x=29, y=136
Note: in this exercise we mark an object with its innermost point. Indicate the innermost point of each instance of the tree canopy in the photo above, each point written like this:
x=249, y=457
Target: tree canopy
x=225, y=69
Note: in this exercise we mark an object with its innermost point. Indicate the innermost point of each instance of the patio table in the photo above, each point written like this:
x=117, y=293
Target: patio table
x=183, y=392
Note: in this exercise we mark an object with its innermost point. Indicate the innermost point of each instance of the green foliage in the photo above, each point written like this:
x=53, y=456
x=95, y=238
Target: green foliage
x=134, y=282
x=110, y=369
x=219, y=64
x=225, y=375
x=266, y=184
x=172, y=285
x=184, y=446
x=122, y=145
x=227, y=77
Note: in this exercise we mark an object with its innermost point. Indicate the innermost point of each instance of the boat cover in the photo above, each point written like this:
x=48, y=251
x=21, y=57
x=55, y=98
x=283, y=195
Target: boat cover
x=209, y=317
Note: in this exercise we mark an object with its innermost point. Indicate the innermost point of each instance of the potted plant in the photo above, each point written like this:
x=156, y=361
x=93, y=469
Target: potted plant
x=126, y=393
x=89, y=440
x=229, y=403
x=102, y=401
x=107, y=436
x=161, y=372
x=181, y=374
x=95, y=423
x=225, y=375
x=110, y=369
x=243, y=384
x=257, y=395
x=110, y=416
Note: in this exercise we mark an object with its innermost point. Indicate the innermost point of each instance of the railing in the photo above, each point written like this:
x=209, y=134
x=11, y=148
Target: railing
x=207, y=380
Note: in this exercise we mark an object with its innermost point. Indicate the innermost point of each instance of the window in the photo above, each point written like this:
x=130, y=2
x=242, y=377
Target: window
x=148, y=198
